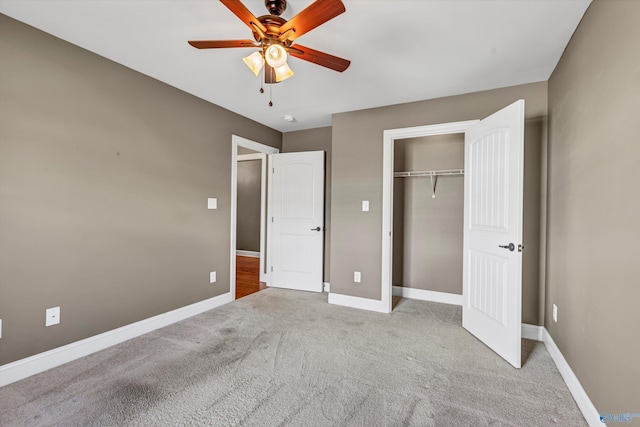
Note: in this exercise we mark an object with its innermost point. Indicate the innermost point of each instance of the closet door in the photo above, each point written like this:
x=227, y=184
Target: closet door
x=492, y=271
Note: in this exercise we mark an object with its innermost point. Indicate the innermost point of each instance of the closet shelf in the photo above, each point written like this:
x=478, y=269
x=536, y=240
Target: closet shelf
x=431, y=174
x=442, y=172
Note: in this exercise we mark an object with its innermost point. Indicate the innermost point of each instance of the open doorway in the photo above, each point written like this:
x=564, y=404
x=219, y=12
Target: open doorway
x=248, y=216
x=390, y=164
x=428, y=206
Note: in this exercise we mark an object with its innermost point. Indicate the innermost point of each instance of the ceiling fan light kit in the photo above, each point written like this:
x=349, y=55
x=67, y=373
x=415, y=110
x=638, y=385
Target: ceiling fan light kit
x=275, y=55
x=255, y=62
x=283, y=72
x=275, y=37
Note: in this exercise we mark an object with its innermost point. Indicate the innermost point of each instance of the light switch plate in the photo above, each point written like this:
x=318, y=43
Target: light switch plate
x=357, y=276
x=0, y=328
x=212, y=277
x=212, y=203
x=52, y=316
x=365, y=206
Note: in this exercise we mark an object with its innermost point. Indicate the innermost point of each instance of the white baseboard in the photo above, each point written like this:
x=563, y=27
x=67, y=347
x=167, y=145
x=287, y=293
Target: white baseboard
x=587, y=408
x=357, y=302
x=251, y=254
x=424, y=295
x=532, y=332
x=326, y=287
x=23, y=368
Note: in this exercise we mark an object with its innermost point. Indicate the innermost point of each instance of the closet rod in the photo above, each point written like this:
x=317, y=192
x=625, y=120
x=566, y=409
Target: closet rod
x=442, y=172
x=431, y=174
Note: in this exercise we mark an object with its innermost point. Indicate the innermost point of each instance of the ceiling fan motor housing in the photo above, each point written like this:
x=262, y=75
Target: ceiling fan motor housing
x=276, y=7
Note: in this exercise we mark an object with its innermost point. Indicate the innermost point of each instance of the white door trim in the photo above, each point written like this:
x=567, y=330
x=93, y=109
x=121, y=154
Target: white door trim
x=389, y=137
x=246, y=157
x=263, y=150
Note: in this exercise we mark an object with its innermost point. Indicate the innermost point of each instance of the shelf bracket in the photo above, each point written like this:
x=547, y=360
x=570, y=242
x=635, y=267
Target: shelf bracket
x=434, y=182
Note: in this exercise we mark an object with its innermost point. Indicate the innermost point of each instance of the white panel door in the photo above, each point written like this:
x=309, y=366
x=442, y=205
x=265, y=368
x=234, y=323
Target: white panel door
x=297, y=215
x=492, y=271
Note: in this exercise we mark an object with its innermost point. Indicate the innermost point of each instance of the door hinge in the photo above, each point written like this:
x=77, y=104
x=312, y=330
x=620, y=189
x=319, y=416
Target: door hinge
x=271, y=219
x=273, y=170
x=520, y=248
x=272, y=268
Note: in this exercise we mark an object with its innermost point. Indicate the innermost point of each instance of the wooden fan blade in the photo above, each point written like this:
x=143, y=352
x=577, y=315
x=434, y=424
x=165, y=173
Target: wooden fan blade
x=320, y=58
x=317, y=13
x=241, y=11
x=219, y=44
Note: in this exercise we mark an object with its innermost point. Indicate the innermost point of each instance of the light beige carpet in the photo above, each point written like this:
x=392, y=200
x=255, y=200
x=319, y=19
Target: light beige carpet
x=282, y=357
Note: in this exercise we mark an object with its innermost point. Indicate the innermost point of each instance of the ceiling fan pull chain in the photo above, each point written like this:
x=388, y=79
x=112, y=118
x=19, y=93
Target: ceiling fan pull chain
x=262, y=81
x=271, y=87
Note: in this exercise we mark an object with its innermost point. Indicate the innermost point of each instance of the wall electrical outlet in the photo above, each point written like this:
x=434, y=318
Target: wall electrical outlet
x=555, y=313
x=357, y=277
x=212, y=203
x=365, y=206
x=212, y=277
x=52, y=316
x=0, y=328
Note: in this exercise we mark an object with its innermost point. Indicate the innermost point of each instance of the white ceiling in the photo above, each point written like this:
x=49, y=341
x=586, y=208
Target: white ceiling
x=400, y=51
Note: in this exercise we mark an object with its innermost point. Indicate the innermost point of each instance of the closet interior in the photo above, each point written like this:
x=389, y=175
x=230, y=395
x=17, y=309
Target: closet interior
x=428, y=207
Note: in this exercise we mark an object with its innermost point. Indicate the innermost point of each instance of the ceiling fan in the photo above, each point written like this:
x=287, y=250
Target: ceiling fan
x=275, y=37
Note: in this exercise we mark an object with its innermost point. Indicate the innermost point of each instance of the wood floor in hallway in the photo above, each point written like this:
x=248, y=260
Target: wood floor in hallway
x=248, y=276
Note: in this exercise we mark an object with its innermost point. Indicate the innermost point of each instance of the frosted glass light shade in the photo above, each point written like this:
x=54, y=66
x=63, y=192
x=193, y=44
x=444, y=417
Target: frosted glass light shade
x=283, y=72
x=276, y=55
x=254, y=62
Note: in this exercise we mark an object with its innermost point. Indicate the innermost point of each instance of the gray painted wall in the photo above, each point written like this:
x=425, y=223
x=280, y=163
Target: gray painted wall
x=356, y=241
x=318, y=139
x=429, y=230
x=594, y=205
x=104, y=177
x=248, y=207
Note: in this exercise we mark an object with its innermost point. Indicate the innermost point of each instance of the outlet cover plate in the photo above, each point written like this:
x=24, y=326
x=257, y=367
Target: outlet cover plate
x=52, y=316
x=212, y=203
x=357, y=276
x=212, y=277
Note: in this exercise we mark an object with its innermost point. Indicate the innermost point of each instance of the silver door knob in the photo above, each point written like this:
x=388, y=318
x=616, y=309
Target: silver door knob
x=316, y=229
x=510, y=246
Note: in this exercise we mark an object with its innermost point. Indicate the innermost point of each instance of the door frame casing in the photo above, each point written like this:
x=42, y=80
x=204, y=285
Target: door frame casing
x=238, y=141
x=389, y=137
